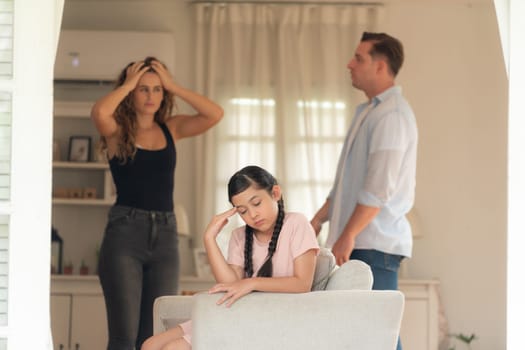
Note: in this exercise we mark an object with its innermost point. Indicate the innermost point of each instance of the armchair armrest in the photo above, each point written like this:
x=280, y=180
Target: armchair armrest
x=170, y=310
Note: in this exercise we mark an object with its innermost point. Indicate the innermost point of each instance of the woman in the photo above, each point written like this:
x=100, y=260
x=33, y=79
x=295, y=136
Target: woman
x=139, y=258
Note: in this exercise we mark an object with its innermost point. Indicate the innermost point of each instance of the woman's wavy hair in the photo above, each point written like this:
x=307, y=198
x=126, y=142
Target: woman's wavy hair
x=260, y=179
x=126, y=116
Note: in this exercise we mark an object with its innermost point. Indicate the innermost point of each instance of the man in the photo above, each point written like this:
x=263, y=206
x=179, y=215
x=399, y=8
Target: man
x=375, y=181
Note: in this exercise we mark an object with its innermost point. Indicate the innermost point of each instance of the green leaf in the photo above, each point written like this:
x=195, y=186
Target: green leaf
x=467, y=339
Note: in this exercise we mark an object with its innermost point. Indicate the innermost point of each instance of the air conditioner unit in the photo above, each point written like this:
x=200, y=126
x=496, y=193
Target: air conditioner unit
x=101, y=55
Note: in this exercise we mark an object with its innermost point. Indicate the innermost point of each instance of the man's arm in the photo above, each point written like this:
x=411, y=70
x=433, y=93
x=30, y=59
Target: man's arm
x=359, y=219
x=320, y=217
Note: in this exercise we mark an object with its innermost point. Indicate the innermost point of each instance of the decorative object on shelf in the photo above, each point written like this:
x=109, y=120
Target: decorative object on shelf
x=56, y=151
x=79, y=148
x=74, y=192
x=84, y=269
x=202, y=265
x=89, y=193
x=57, y=246
x=183, y=225
x=60, y=192
x=68, y=268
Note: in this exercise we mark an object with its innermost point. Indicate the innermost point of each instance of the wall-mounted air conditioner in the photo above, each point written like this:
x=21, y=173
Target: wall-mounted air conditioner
x=101, y=55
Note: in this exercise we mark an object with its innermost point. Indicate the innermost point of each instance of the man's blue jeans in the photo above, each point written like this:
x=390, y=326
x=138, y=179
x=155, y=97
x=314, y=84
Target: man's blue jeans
x=384, y=267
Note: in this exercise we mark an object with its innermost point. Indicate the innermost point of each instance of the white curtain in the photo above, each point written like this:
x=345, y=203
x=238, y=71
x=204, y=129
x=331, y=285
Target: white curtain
x=279, y=71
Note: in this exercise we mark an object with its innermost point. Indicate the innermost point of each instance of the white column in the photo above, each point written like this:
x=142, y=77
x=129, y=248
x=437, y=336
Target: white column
x=516, y=179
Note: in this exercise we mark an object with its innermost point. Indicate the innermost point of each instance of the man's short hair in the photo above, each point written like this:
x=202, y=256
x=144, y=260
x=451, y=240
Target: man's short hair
x=386, y=46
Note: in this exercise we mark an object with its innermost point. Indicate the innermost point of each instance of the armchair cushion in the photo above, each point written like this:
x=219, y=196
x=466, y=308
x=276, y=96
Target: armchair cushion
x=353, y=274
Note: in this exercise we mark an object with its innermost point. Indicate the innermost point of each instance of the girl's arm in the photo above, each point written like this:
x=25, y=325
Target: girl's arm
x=208, y=112
x=222, y=271
x=300, y=282
x=103, y=110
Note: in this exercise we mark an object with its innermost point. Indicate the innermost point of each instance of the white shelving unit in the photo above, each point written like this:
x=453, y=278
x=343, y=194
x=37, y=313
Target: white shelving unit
x=78, y=165
x=82, y=191
x=73, y=118
x=108, y=193
x=67, y=201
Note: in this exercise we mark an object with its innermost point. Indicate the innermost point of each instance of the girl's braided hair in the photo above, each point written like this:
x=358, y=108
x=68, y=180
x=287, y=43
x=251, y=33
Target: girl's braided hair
x=261, y=179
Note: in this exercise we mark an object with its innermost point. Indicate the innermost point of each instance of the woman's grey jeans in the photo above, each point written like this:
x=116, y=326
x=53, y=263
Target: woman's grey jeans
x=139, y=261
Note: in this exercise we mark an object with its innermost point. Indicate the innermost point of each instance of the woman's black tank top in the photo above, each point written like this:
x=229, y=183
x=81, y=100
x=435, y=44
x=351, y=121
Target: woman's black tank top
x=147, y=181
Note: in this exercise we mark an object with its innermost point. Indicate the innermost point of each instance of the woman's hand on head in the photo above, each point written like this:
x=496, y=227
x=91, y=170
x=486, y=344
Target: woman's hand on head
x=218, y=222
x=133, y=74
x=164, y=75
x=233, y=291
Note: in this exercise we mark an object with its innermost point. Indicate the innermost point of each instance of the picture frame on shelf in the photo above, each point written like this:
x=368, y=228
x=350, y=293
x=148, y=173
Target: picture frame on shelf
x=79, y=149
x=202, y=265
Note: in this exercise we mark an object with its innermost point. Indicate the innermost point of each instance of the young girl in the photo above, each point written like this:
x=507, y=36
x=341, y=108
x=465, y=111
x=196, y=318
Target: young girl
x=274, y=252
x=139, y=258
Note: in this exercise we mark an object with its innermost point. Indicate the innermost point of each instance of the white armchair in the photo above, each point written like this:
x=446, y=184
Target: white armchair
x=341, y=313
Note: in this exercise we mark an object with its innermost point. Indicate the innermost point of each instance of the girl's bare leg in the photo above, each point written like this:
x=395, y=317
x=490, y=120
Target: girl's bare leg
x=179, y=344
x=168, y=340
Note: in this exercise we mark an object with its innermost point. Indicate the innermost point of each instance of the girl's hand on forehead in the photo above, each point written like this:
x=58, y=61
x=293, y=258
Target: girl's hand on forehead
x=218, y=222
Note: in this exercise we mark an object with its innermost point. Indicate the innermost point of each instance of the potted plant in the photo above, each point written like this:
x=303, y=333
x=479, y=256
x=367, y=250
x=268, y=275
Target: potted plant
x=465, y=339
x=68, y=268
x=84, y=269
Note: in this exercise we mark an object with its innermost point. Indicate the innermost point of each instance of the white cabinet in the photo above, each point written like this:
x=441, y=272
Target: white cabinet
x=420, y=325
x=60, y=320
x=88, y=322
x=78, y=314
x=78, y=322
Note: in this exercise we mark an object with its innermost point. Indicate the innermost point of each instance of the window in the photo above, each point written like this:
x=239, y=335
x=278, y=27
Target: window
x=301, y=151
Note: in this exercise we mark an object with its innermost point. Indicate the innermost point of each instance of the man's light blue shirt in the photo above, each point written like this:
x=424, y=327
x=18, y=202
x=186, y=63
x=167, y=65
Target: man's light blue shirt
x=380, y=171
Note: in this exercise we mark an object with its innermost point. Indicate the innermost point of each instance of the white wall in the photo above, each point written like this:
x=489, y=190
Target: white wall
x=454, y=77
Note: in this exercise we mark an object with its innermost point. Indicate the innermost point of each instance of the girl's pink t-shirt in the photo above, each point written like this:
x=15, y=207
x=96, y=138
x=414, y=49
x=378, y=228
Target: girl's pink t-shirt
x=296, y=238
